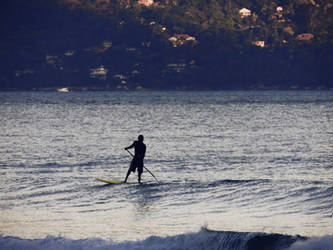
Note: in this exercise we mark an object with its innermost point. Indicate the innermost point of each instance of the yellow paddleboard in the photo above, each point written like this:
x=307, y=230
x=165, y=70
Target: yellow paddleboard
x=109, y=181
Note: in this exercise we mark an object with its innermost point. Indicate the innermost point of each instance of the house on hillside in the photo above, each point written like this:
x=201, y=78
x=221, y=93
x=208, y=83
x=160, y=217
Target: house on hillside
x=146, y=2
x=305, y=37
x=181, y=39
x=107, y=44
x=69, y=53
x=99, y=73
x=279, y=9
x=259, y=43
x=289, y=30
x=244, y=12
x=279, y=14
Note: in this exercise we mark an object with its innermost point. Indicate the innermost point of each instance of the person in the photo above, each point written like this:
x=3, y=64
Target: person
x=139, y=155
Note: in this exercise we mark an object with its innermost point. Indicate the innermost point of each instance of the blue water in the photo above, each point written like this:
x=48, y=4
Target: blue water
x=235, y=169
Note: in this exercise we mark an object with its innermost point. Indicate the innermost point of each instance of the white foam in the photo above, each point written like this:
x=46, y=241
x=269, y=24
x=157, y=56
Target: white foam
x=316, y=243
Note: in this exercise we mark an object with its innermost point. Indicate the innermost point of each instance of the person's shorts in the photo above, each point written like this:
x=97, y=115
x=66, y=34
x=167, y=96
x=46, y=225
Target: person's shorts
x=137, y=163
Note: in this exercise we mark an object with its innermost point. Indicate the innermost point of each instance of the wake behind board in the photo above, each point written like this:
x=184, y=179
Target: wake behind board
x=109, y=181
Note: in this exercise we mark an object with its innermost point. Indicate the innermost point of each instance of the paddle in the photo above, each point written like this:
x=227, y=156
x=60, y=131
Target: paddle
x=144, y=167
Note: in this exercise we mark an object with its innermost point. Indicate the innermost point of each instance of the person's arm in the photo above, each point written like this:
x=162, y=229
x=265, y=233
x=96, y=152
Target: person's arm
x=132, y=146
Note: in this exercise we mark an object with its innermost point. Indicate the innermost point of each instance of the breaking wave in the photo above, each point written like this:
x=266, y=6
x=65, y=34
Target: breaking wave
x=205, y=239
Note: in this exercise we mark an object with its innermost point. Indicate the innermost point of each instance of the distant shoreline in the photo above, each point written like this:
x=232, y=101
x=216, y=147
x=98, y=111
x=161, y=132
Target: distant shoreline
x=83, y=89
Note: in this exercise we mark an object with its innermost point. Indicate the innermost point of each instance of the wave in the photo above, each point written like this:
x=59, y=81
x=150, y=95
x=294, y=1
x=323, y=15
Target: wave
x=205, y=239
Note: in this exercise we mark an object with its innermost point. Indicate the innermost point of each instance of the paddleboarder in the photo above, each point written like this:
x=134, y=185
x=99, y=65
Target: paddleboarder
x=139, y=155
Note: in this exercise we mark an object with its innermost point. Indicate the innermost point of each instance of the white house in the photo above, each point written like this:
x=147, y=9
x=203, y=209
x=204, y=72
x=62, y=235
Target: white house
x=181, y=39
x=244, y=12
x=146, y=2
x=259, y=43
x=99, y=73
x=279, y=9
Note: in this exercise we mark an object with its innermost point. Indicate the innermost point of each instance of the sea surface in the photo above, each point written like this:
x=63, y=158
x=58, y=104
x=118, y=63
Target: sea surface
x=235, y=170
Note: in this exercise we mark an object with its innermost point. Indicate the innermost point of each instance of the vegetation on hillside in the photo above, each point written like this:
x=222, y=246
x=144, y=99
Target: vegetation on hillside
x=171, y=44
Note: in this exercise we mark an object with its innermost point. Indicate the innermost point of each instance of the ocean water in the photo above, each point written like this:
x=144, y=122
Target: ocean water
x=236, y=170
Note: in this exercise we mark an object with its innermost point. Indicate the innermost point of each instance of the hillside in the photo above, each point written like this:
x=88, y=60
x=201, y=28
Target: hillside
x=170, y=44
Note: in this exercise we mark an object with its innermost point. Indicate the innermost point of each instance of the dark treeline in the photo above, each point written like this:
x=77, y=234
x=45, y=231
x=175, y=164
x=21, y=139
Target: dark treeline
x=107, y=45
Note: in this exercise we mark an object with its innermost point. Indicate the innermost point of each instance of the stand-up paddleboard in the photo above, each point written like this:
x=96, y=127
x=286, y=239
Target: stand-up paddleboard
x=109, y=181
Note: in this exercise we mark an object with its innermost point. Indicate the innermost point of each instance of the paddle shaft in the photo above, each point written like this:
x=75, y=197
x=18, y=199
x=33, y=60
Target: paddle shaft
x=143, y=166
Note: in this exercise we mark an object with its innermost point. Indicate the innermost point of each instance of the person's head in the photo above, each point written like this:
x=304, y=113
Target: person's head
x=140, y=137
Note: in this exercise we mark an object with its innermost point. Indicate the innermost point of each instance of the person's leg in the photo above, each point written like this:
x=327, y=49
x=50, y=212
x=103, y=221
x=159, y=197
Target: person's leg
x=131, y=169
x=128, y=173
x=139, y=177
x=140, y=169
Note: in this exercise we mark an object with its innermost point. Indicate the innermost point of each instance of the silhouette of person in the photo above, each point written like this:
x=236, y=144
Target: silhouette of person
x=139, y=155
